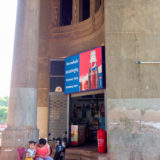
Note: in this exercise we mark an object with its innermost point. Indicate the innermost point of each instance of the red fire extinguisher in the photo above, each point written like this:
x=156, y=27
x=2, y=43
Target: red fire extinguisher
x=101, y=138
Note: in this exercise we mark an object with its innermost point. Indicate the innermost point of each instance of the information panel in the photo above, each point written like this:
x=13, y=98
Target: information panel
x=84, y=71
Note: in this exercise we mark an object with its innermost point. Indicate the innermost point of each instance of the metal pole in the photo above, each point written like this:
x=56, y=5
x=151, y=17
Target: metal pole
x=140, y=62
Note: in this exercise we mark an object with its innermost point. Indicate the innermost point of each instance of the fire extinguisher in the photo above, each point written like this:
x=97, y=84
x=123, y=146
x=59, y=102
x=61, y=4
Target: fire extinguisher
x=101, y=138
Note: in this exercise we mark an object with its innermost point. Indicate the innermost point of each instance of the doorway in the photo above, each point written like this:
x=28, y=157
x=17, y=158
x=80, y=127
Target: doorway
x=87, y=116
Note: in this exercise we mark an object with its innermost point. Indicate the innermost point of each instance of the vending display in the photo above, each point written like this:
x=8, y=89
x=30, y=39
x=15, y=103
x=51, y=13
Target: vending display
x=89, y=112
x=74, y=135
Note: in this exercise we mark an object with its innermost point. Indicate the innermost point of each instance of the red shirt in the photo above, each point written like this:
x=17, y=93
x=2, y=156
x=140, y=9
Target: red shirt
x=42, y=151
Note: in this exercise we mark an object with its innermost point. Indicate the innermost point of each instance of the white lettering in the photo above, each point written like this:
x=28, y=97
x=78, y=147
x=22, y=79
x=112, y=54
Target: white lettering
x=72, y=62
x=72, y=71
x=68, y=80
x=75, y=78
x=67, y=87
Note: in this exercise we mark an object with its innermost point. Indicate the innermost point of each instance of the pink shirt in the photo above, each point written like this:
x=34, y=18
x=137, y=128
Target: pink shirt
x=42, y=151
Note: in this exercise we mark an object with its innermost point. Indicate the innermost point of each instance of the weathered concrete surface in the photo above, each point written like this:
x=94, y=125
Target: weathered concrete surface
x=134, y=128
x=22, y=119
x=15, y=137
x=22, y=108
x=132, y=33
x=8, y=154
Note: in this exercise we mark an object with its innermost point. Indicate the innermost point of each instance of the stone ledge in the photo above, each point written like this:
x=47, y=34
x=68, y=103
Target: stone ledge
x=13, y=138
x=8, y=153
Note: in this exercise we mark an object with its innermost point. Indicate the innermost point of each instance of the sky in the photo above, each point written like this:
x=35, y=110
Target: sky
x=8, y=10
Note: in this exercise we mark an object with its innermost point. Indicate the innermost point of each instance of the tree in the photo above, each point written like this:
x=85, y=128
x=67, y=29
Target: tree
x=3, y=109
x=3, y=114
x=4, y=101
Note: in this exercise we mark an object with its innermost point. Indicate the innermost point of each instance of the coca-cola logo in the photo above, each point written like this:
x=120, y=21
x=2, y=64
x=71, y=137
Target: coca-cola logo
x=100, y=142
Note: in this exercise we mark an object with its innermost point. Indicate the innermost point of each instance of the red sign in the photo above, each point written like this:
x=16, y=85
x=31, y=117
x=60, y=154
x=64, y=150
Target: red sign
x=91, y=69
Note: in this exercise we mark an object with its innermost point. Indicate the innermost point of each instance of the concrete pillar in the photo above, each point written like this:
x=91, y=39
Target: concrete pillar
x=92, y=7
x=133, y=90
x=55, y=13
x=46, y=21
x=80, y=10
x=92, y=12
x=22, y=114
x=98, y=4
x=75, y=11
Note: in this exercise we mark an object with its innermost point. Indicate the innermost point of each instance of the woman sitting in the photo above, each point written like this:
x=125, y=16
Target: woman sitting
x=43, y=150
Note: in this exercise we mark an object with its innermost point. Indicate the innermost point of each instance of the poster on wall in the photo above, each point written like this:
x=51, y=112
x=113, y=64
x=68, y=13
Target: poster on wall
x=84, y=71
x=74, y=135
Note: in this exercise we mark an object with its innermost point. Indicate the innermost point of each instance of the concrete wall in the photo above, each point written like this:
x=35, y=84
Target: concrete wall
x=43, y=67
x=133, y=90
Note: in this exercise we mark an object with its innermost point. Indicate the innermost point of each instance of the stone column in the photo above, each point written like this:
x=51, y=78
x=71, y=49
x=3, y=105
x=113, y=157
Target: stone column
x=22, y=114
x=98, y=4
x=55, y=13
x=92, y=7
x=92, y=12
x=75, y=11
x=80, y=10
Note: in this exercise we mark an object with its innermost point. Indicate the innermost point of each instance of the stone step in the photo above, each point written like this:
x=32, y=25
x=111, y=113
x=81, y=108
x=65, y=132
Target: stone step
x=80, y=157
x=82, y=152
x=79, y=154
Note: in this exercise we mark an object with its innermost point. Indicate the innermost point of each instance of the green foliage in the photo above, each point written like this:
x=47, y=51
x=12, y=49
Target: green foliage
x=4, y=101
x=3, y=114
x=3, y=109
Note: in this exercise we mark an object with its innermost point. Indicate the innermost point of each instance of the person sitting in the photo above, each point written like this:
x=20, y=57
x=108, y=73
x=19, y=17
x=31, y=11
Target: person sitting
x=43, y=150
x=30, y=155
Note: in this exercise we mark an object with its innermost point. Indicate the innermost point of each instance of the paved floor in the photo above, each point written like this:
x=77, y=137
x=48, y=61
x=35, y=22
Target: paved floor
x=85, y=152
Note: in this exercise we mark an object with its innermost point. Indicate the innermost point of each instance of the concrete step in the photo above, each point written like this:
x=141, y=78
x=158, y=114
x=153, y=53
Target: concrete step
x=80, y=157
x=79, y=154
x=84, y=153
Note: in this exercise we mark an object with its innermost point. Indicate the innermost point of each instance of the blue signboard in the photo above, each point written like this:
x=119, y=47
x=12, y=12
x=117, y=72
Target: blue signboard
x=72, y=74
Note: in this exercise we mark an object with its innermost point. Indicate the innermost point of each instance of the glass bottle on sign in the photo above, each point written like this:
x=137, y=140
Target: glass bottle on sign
x=93, y=75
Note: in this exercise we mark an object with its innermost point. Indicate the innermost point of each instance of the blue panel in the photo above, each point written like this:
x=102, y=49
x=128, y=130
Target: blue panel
x=72, y=74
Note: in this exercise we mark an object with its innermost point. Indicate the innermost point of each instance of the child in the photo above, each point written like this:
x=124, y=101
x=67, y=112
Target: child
x=30, y=155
